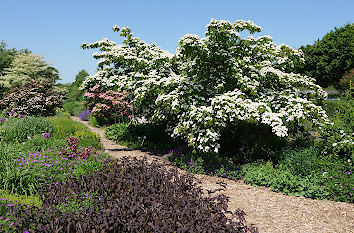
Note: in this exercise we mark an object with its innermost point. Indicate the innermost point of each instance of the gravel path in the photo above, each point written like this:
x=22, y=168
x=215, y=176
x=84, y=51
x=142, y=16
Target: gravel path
x=269, y=211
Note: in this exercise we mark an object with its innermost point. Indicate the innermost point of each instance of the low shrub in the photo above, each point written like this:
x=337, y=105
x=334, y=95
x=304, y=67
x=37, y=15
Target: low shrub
x=301, y=162
x=247, y=142
x=155, y=200
x=60, y=112
x=142, y=135
x=74, y=108
x=88, y=139
x=337, y=139
x=337, y=179
x=317, y=177
x=20, y=129
x=279, y=180
x=210, y=164
x=109, y=107
x=36, y=98
x=62, y=127
x=94, y=122
x=7, y=199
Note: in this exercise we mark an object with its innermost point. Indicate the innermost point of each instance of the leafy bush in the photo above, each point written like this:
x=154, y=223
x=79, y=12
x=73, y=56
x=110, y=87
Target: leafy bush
x=301, y=162
x=94, y=122
x=73, y=107
x=210, y=164
x=65, y=126
x=108, y=106
x=88, y=139
x=36, y=98
x=21, y=128
x=60, y=112
x=283, y=181
x=337, y=139
x=152, y=202
x=73, y=150
x=337, y=179
x=142, y=135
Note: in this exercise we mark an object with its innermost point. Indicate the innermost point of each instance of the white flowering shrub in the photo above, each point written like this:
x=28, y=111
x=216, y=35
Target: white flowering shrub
x=210, y=83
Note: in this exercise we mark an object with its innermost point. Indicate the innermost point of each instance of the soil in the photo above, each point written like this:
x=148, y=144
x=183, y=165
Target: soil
x=268, y=211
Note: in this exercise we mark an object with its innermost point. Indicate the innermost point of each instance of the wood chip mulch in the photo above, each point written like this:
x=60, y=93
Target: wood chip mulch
x=268, y=211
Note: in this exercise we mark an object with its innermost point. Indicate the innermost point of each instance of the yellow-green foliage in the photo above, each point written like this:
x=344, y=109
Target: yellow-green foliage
x=87, y=139
x=20, y=199
x=63, y=126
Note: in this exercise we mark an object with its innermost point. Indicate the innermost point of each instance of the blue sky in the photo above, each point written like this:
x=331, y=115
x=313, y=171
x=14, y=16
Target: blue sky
x=56, y=29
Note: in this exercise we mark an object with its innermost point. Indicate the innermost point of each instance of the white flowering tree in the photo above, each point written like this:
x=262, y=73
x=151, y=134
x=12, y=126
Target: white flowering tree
x=210, y=83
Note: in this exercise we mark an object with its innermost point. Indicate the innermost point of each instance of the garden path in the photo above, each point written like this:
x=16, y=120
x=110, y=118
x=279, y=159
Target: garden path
x=268, y=211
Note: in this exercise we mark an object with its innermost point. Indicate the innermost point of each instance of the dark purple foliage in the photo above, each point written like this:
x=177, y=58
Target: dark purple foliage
x=131, y=196
x=85, y=115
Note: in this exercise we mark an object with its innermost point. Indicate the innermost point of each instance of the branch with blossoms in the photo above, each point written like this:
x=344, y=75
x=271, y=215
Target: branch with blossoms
x=210, y=83
x=110, y=106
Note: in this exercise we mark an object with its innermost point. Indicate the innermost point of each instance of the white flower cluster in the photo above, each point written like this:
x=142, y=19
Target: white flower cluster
x=210, y=82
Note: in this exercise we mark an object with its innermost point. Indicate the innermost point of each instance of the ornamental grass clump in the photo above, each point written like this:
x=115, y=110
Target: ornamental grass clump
x=211, y=83
x=129, y=196
x=21, y=128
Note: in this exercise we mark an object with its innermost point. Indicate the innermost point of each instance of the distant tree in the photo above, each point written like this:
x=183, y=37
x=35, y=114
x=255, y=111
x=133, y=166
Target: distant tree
x=80, y=78
x=6, y=57
x=74, y=92
x=330, y=58
x=26, y=66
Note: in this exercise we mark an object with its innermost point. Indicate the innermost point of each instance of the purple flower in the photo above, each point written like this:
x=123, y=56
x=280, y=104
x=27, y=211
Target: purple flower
x=21, y=116
x=85, y=115
x=45, y=135
x=2, y=119
x=13, y=111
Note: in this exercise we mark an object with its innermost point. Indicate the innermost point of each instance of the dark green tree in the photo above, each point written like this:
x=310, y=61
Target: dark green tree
x=6, y=57
x=74, y=92
x=330, y=58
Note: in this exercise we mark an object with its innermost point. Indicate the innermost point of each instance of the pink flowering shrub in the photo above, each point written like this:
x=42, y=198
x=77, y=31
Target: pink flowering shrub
x=36, y=98
x=107, y=106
